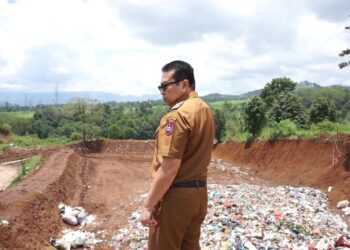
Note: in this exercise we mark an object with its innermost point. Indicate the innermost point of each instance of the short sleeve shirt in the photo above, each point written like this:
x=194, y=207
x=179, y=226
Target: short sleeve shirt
x=186, y=132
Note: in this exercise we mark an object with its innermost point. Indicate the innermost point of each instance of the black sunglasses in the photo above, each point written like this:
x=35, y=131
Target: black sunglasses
x=163, y=86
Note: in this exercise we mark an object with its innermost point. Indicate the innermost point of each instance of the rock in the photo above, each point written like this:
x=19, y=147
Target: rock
x=343, y=204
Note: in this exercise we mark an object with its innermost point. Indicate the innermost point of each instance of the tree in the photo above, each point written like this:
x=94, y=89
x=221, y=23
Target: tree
x=344, y=53
x=277, y=86
x=281, y=103
x=46, y=120
x=129, y=133
x=288, y=106
x=220, y=124
x=84, y=111
x=323, y=109
x=255, y=117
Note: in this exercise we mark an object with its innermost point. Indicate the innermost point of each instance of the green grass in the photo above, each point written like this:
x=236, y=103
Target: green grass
x=32, y=141
x=28, y=166
x=331, y=128
x=4, y=147
x=288, y=130
x=242, y=137
x=22, y=114
x=220, y=104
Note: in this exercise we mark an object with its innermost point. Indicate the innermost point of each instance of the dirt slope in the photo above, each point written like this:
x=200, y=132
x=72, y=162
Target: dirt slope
x=31, y=207
x=317, y=164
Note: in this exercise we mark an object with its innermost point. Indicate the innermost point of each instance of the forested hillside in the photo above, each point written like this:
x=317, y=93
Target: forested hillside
x=280, y=110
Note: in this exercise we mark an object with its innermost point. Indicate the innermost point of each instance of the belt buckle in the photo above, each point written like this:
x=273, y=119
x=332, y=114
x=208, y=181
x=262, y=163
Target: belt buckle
x=197, y=182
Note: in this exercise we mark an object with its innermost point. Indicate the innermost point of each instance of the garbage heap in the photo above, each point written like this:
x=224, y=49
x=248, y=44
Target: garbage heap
x=258, y=217
x=71, y=239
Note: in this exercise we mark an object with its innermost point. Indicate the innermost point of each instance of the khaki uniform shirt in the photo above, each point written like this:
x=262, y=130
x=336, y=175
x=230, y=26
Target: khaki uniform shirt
x=186, y=132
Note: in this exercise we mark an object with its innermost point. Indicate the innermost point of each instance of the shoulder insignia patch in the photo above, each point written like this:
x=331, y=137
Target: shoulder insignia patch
x=177, y=105
x=170, y=127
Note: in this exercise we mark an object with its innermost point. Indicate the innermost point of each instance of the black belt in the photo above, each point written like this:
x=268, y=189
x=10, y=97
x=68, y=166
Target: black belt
x=190, y=184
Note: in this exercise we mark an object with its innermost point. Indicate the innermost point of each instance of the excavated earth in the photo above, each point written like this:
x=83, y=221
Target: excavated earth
x=106, y=177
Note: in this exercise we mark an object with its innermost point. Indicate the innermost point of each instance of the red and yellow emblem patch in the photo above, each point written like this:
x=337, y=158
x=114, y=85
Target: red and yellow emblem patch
x=170, y=126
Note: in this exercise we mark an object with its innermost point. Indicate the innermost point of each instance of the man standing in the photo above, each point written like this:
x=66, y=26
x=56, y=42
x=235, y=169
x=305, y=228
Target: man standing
x=176, y=203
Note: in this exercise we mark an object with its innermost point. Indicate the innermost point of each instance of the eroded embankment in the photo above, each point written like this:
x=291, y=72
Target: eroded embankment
x=318, y=164
x=31, y=207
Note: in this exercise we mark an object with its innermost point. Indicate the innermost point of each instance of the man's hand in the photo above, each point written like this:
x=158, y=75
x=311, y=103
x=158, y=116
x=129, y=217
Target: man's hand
x=164, y=177
x=147, y=218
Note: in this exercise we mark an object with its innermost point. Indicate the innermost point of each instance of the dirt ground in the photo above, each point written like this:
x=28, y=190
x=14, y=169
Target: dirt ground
x=107, y=178
x=7, y=173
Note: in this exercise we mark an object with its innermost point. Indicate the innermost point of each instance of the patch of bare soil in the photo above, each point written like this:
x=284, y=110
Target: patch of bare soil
x=107, y=177
x=318, y=164
x=7, y=174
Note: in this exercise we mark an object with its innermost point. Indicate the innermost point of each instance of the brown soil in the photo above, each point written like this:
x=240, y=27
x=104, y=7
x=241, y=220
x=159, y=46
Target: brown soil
x=318, y=164
x=107, y=177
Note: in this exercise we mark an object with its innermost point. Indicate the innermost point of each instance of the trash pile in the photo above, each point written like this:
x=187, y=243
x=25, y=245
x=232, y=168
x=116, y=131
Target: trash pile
x=75, y=239
x=75, y=215
x=344, y=206
x=259, y=217
x=223, y=166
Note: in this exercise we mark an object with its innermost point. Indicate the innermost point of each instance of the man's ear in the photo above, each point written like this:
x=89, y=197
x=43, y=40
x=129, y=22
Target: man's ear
x=185, y=84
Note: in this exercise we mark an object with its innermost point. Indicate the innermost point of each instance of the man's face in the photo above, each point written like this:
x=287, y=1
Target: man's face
x=172, y=91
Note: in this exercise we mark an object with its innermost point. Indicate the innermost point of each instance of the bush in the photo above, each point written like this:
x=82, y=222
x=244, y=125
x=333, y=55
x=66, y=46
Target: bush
x=75, y=136
x=22, y=126
x=5, y=129
x=307, y=134
x=330, y=127
x=243, y=137
x=275, y=130
x=4, y=148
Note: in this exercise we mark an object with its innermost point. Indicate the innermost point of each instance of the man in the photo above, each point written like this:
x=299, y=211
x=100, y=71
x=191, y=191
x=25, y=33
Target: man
x=176, y=204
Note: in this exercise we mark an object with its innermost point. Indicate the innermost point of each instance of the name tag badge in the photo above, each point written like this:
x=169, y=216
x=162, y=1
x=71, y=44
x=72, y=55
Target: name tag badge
x=170, y=127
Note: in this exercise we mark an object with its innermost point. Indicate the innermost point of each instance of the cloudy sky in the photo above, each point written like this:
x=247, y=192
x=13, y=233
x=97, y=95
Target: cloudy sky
x=119, y=46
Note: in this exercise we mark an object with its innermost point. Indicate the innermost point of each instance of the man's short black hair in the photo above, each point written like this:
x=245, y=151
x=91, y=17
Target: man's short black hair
x=182, y=71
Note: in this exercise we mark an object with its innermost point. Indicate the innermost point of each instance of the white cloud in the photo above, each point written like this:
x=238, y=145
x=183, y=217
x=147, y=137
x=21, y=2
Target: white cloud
x=120, y=46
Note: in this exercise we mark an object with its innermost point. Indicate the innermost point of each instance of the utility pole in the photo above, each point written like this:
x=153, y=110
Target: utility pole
x=56, y=95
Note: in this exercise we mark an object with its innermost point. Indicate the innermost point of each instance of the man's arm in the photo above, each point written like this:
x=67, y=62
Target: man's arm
x=163, y=179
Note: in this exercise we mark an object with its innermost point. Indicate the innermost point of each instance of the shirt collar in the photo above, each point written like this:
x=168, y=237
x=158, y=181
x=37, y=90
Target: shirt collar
x=193, y=94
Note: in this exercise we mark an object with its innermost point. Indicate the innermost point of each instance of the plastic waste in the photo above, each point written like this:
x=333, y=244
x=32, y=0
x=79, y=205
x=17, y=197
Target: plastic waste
x=343, y=204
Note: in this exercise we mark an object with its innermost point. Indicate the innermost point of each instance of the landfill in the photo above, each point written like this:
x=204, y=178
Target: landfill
x=72, y=239
x=75, y=239
x=75, y=215
x=258, y=217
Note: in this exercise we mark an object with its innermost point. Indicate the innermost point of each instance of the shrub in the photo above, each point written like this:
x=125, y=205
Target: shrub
x=243, y=137
x=4, y=148
x=5, y=129
x=75, y=136
x=330, y=127
x=275, y=130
